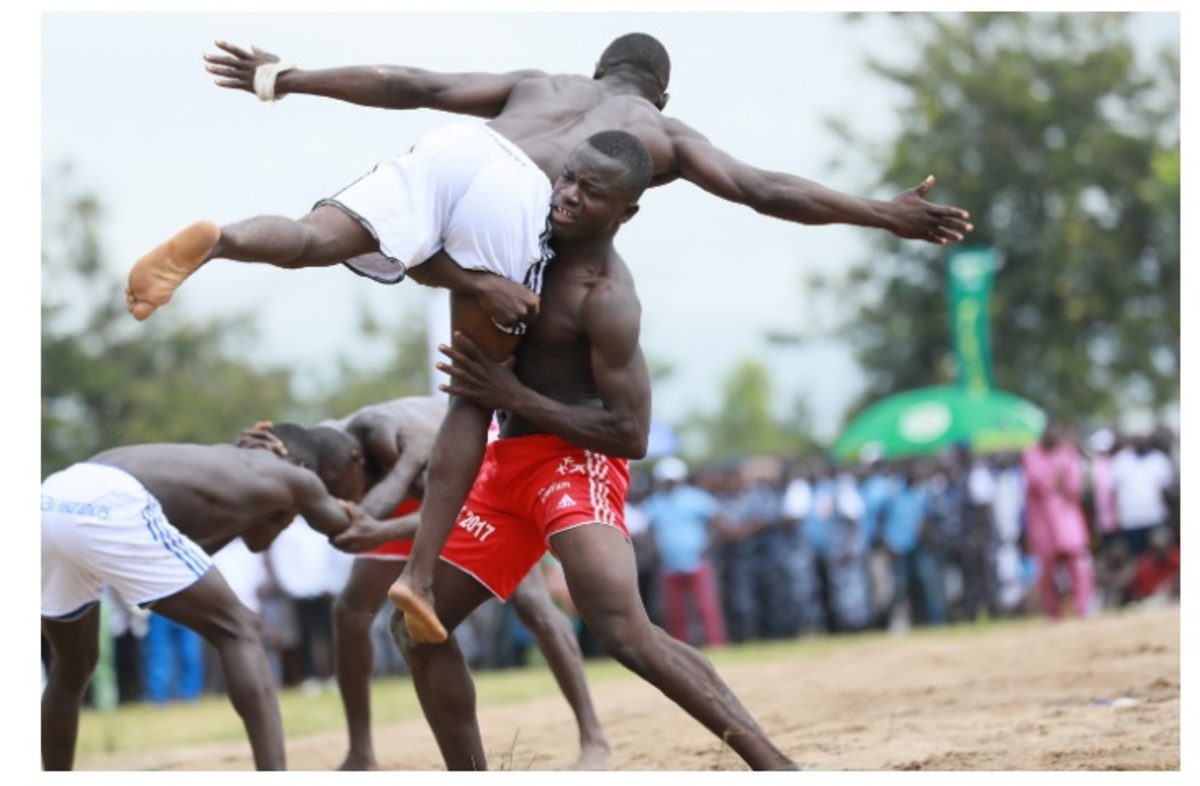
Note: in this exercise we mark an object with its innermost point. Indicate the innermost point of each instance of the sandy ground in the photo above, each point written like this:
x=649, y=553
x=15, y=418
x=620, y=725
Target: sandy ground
x=1036, y=697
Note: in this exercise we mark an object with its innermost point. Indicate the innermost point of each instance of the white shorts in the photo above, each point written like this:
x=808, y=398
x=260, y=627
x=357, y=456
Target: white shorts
x=101, y=526
x=462, y=188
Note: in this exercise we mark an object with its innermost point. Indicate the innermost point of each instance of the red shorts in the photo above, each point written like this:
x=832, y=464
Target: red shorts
x=395, y=549
x=528, y=489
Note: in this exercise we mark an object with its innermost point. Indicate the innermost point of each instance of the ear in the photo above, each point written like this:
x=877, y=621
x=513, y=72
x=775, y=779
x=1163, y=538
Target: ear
x=629, y=212
x=661, y=103
x=598, y=73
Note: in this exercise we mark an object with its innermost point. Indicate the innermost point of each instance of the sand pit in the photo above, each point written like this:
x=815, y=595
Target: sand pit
x=1099, y=694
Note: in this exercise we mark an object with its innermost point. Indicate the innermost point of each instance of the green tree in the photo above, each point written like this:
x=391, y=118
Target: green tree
x=743, y=423
x=108, y=380
x=1066, y=152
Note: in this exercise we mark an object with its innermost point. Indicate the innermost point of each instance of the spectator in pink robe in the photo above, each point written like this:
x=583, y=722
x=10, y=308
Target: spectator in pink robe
x=1056, y=527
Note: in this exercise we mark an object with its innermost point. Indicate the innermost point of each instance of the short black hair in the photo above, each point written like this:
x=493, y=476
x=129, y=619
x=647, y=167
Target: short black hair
x=321, y=449
x=627, y=149
x=301, y=448
x=336, y=449
x=643, y=54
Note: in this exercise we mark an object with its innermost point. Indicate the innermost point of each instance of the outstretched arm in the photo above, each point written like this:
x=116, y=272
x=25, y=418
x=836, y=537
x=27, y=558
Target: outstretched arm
x=621, y=428
x=389, y=87
x=793, y=198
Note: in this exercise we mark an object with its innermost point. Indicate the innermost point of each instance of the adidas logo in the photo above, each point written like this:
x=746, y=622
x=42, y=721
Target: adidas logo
x=565, y=501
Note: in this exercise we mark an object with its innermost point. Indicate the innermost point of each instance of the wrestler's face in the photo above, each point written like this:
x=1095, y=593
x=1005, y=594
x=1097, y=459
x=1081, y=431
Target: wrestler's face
x=589, y=200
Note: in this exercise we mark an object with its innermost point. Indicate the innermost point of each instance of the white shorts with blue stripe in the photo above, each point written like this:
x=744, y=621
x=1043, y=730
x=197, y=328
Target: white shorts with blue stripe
x=101, y=526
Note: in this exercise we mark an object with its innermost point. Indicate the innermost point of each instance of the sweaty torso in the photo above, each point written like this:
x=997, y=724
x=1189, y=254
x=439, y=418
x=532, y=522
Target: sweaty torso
x=547, y=116
x=554, y=357
x=211, y=493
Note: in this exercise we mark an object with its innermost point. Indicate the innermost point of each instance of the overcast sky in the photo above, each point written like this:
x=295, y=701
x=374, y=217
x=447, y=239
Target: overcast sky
x=125, y=98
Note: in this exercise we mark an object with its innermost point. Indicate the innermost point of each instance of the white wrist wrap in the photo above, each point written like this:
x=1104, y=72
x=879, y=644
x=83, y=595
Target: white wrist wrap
x=264, y=79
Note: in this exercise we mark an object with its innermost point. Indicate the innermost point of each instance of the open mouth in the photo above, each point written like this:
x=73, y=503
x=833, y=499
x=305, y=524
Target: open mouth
x=559, y=213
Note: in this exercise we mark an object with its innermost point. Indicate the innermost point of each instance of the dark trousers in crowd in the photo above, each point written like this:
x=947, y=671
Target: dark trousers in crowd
x=780, y=602
x=914, y=577
x=128, y=662
x=739, y=595
x=315, y=618
x=696, y=589
x=801, y=575
x=978, y=569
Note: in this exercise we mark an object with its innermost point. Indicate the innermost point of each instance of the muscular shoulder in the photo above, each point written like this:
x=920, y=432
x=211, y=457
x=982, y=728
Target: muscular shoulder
x=531, y=73
x=399, y=416
x=531, y=82
x=612, y=313
x=679, y=131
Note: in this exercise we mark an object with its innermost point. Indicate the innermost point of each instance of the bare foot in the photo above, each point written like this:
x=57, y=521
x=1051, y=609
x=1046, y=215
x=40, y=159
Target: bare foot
x=593, y=756
x=356, y=761
x=156, y=276
x=419, y=617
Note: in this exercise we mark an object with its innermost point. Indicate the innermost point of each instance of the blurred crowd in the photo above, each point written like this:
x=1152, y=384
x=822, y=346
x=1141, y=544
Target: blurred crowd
x=767, y=548
x=760, y=548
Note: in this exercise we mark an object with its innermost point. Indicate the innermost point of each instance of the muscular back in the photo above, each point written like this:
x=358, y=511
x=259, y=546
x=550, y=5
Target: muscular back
x=214, y=493
x=548, y=115
x=408, y=412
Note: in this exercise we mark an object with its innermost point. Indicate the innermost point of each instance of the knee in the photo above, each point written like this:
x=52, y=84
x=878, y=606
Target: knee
x=236, y=625
x=539, y=615
x=627, y=643
x=408, y=647
x=415, y=653
x=351, y=615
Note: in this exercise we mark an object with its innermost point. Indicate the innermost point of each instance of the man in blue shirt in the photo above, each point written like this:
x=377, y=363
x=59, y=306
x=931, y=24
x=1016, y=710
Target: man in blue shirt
x=903, y=531
x=682, y=519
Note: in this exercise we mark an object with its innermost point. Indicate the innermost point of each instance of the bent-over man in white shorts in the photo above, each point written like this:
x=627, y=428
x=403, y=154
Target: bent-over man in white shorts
x=144, y=519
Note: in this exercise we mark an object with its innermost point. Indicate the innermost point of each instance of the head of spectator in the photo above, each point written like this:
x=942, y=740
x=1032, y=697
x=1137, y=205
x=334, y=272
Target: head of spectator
x=761, y=471
x=1102, y=443
x=961, y=455
x=1142, y=444
x=711, y=478
x=669, y=472
x=825, y=469
x=1163, y=439
x=870, y=461
x=1051, y=435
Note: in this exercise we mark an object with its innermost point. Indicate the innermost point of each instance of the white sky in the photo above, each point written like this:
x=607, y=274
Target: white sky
x=126, y=99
